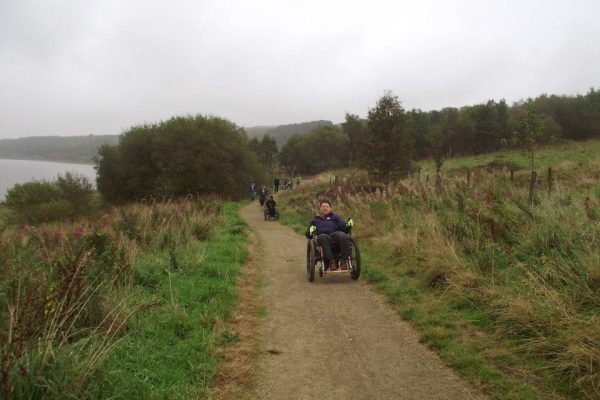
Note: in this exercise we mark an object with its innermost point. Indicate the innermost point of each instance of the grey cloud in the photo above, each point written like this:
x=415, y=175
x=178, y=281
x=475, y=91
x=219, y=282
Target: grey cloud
x=70, y=67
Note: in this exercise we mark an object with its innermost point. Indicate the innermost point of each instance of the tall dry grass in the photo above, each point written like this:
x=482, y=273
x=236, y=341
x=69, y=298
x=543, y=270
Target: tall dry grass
x=528, y=273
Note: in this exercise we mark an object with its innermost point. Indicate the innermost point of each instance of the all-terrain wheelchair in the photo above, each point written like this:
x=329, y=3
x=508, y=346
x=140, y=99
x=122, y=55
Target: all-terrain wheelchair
x=315, y=258
x=271, y=213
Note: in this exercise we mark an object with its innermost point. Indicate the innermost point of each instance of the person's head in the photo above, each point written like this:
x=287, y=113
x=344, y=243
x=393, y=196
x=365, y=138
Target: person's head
x=271, y=197
x=324, y=208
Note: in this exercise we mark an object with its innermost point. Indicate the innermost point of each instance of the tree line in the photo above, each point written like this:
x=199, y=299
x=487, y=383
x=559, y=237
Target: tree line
x=282, y=133
x=391, y=139
x=210, y=155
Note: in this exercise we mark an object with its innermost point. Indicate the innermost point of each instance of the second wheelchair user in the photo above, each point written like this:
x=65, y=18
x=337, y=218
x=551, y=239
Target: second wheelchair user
x=271, y=206
x=331, y=230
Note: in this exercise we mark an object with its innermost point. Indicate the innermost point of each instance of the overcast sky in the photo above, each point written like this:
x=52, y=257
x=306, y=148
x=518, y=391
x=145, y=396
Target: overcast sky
x=100, y=67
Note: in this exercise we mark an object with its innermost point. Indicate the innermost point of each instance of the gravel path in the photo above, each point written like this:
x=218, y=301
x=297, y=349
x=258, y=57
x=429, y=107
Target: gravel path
x=334, y=338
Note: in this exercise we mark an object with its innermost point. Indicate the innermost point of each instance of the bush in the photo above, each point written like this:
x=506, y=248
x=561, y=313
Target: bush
x=67, y=197
x=174, y=158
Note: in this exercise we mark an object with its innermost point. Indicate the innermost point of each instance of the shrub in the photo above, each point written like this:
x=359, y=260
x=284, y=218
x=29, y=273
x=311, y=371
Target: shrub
x=67, y=197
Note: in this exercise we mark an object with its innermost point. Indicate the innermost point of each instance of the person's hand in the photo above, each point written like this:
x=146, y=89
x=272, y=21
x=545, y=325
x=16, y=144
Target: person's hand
x=350, y=223
x=312, y=230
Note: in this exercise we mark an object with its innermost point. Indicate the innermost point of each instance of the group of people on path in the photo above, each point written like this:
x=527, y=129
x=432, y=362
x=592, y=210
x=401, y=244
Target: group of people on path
x=288, y=183
x=264, y=199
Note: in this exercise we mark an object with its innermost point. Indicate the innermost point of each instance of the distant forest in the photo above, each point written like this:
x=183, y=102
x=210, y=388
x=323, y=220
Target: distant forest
x=77, y=149
x=282, y=133
x=83, y=149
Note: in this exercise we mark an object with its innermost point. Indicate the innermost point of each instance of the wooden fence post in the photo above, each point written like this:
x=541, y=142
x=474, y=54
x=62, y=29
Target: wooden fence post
x=549, y=179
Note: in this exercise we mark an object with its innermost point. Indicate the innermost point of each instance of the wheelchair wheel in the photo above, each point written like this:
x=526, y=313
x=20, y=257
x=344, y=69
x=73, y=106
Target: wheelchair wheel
x=355, y=257
x=311, y=260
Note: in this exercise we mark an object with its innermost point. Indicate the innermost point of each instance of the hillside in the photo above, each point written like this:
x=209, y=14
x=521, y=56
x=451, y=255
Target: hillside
x=282, y=133
x=504, y=289
x=83, y=149
x=77, y=149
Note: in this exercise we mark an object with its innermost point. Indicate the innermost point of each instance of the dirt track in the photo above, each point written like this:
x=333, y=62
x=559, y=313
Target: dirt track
x=334, y=338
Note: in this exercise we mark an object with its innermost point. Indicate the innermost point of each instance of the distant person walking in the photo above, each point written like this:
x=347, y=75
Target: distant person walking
x=276, y=185
x=252, y=191
x=262, y=195
x=298, y=180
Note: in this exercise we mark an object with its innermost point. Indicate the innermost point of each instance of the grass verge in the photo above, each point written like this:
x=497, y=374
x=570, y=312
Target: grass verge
x=235, y=376
x=171, y=350
x=132, y=304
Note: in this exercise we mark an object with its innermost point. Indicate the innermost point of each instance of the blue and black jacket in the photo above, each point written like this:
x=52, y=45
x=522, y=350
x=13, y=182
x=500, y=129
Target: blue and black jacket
x=327, y=225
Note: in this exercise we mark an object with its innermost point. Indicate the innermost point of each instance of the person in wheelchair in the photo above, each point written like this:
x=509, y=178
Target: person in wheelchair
x=331, y=231
x=271, y=206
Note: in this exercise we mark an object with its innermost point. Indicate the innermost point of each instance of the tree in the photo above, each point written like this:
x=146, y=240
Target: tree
x=442, y=137
x=529, y=134
x=389, y=146
x=420, y=128
x=324, y=148
x=267, y=152
x=181, y=156
x=355, y=129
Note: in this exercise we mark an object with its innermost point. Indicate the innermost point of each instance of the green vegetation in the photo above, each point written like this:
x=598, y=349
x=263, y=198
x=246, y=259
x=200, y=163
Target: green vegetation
x=323, y=148
x=388, y=144
x=570, y=156
x=7, y=217
x=129, y=305
x=67, y=197
x=181, y=156
x=77, y=149
x=381, y=141
x=505, y=292
x=170, y=352
x=282, y=133
x=267, y=152
x=132, y=304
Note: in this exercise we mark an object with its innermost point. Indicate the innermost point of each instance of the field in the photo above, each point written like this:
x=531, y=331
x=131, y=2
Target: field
x=507, y=292
x=131, y=304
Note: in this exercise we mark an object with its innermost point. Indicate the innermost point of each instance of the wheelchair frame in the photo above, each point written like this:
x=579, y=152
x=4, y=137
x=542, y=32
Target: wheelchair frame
x=314, y=256
x=269, y=217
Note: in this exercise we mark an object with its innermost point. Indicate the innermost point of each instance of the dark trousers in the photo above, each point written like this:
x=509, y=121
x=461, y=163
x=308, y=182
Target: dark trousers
x=335, y=240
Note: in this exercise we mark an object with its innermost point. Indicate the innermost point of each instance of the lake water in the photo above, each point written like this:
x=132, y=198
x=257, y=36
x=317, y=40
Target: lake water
x=20, y=171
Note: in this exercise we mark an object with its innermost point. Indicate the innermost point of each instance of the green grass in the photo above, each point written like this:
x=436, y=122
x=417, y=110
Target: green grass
x=6, y=216
x=170, y=351
x=572, y=154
